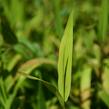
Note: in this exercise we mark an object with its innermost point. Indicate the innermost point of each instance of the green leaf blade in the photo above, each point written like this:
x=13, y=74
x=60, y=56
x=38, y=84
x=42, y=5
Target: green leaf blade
x=65, y=60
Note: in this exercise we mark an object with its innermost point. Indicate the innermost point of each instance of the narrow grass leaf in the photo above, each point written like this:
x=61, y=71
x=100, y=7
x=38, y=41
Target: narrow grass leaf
x=65, y=60
x=51, y=87
x=30, y=65
x=27, y=68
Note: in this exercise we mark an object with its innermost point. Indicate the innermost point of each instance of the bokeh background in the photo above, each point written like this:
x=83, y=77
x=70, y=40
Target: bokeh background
x=30, y=35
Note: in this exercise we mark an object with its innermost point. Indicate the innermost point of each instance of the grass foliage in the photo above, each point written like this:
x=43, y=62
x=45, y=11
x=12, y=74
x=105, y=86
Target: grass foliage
x=54, y=54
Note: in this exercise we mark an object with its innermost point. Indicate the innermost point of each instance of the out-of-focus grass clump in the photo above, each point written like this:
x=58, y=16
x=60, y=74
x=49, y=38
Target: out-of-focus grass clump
x=30, y=36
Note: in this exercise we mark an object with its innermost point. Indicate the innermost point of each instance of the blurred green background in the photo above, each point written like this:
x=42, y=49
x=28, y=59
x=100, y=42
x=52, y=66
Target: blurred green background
x=30, y=35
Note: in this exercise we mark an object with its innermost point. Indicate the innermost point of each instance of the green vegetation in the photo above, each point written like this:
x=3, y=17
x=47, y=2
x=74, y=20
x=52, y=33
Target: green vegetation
x=54, y=54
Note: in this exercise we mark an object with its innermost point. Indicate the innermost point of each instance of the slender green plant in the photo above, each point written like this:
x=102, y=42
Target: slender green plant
x=65, y=60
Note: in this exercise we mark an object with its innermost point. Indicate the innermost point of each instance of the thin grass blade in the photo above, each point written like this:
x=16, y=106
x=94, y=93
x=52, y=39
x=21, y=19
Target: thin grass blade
x=65, y=60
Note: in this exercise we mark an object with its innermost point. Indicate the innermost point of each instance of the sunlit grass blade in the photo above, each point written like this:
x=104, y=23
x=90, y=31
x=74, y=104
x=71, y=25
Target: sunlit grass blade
x=103, y=20
x=65, y=60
